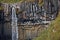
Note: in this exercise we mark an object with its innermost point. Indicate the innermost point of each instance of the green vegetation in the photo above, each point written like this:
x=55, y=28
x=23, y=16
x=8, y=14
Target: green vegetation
x=53, y=32
x=1, y=8
x=9, y=1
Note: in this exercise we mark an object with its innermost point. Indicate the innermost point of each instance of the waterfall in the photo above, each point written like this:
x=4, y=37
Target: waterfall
x=14, y=25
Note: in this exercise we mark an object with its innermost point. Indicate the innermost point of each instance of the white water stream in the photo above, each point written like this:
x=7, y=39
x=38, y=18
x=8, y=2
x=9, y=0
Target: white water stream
x=14, y=25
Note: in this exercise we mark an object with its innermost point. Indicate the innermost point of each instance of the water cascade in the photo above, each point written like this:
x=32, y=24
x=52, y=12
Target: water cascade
x=14, y=25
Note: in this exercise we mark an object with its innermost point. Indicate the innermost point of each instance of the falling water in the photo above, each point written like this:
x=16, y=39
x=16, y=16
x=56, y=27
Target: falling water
x=14, y=25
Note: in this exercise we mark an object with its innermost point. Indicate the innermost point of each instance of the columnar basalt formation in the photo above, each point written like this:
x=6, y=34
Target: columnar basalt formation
x=32, y=18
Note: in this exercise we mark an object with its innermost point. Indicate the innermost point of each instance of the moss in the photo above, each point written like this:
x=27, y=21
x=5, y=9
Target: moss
x=1, y=8
x=9, y=1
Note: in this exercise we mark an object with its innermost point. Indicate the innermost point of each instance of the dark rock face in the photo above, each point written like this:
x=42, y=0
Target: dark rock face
x=28, y=12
